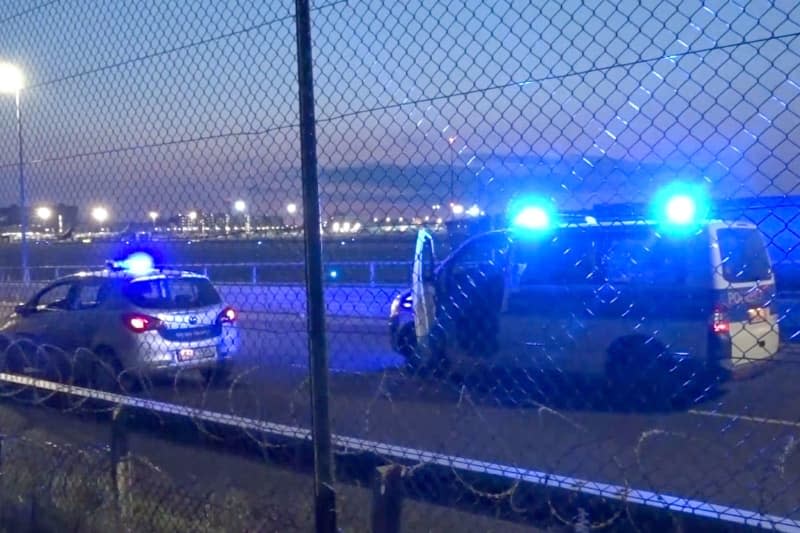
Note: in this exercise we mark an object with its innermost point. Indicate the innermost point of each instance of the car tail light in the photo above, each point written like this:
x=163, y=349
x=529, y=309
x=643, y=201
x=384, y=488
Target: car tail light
x=228, y=315
x=720, y=324
x=139, y=323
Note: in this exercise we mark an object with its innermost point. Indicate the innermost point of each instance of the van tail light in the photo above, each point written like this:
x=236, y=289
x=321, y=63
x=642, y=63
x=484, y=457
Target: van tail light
x=720, y=324
x=228, y=315
x=139, y=323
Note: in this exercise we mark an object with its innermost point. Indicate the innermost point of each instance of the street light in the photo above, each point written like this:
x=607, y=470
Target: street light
x=291, y=209
x=241, y=207
x=153, y=217
x=100, y=215
x=44, y=213
x=12, y=81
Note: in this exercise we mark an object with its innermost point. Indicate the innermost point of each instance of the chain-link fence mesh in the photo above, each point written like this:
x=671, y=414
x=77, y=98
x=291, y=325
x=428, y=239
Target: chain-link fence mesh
x=559, y=250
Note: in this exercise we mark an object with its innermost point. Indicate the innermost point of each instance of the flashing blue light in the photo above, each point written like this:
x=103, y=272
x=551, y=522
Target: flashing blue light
x=534, y=215
x=532, y=218
x=681, y=208
x=138, y=264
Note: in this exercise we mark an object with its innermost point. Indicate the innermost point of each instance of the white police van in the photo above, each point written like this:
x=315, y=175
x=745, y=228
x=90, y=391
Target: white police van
x=623, y=298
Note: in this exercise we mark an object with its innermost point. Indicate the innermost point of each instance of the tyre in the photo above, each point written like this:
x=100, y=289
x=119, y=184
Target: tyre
x=218, y=375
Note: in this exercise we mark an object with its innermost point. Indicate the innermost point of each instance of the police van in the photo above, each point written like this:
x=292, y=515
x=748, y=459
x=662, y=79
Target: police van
x=619, y=297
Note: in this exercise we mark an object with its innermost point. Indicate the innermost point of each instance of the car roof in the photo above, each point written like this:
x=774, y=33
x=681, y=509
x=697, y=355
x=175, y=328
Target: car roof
x=123, y=275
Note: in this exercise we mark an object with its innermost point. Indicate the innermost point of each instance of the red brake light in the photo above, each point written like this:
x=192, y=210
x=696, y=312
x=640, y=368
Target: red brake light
x=719, y=321
x=138, y=323
x=229, y=315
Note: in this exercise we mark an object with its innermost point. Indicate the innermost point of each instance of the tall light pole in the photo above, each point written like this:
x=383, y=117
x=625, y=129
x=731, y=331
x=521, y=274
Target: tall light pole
x=291, y=208
x=12, y=81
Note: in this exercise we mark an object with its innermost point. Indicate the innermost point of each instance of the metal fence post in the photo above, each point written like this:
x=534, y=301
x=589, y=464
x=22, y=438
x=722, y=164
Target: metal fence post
x=120, y=464
x=254, y=275
x=372, y=273
x=324, y=491
x=387, y=499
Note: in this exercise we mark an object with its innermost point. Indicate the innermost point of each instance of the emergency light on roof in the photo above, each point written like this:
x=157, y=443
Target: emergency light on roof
x=681, y=207
x=532, y=215
x=138, y=264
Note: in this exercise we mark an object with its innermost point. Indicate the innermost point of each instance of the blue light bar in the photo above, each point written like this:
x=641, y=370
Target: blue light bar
x=533, y=215
x=138, y=264
x=681, y=208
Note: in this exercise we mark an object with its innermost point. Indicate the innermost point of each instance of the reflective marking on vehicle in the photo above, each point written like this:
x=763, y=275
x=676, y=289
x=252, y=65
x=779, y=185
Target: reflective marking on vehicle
x=746, y=418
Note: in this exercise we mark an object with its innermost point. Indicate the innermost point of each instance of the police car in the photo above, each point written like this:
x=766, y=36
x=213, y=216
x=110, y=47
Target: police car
x=625, y=298
x=118, y=325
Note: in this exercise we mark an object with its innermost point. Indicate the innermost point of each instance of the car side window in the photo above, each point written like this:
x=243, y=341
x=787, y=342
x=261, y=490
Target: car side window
x=56, y=298
x=91, y=294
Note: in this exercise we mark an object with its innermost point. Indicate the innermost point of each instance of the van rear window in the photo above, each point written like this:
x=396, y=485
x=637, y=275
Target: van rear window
x=172, y=293
x=744, y=256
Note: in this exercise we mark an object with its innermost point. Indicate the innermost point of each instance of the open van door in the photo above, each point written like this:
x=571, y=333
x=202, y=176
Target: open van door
x=423, y=293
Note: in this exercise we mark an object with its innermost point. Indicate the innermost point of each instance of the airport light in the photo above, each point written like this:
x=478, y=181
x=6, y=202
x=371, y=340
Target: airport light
x=291, y=208
x=192, y=215
x=457, y=209
x=100, y=214
x=240, y=206
x=44, y=213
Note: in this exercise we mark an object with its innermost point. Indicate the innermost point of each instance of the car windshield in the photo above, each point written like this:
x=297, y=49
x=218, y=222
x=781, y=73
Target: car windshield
x=172, y=293
x=744, y=256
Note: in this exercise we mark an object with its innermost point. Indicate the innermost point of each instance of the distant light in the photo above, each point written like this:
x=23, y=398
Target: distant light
x=400, y=220
x=375, y=219
x=333, y=274
x=345, y=227
x=11, y=79
x=427, y=218
x=153, y=215
x=388, y=220
x=240, y=206
x=452, y=139
x=138, y=264
x=192, y=215
x=356, y=227
x=533, y=217
x=100, y=214
x=474, y=211
x=590, y=220
x=44, y=212
x=336, y=227
x=457, y=209
x=439, y=220
x=291, y=208
x=436, y=207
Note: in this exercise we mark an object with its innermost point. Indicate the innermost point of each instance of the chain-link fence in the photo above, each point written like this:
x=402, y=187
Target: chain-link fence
x=558, y=254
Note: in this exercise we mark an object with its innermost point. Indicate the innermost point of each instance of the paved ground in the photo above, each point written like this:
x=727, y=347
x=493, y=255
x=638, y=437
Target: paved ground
x=736, y=446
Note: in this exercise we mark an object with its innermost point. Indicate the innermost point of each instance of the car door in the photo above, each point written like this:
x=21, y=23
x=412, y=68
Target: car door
x=470, y=295
x=544, y=322
x=46, y=318
x=90, y=295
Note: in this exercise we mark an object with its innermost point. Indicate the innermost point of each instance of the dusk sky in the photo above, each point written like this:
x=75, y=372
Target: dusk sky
x=173, y=105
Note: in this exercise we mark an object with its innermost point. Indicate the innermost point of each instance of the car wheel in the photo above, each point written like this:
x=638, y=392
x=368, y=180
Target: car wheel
x=107, y=374
x=219, y=375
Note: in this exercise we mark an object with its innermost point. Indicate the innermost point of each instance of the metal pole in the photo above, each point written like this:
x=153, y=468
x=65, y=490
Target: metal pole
x=324, y=492
x=23, y=207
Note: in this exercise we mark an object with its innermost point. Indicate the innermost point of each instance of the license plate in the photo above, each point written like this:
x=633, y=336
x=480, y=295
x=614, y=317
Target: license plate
x=758, y=314
x=187, y=354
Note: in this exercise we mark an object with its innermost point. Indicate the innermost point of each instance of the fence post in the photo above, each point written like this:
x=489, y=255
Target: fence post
x=254, y=275
x=121, y=465
x=387, y=499
x=372, y=273
x=324, y=491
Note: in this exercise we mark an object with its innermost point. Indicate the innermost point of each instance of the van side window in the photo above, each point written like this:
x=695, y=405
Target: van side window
x=488, y=252
x=563, y=259
x=645, y=258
